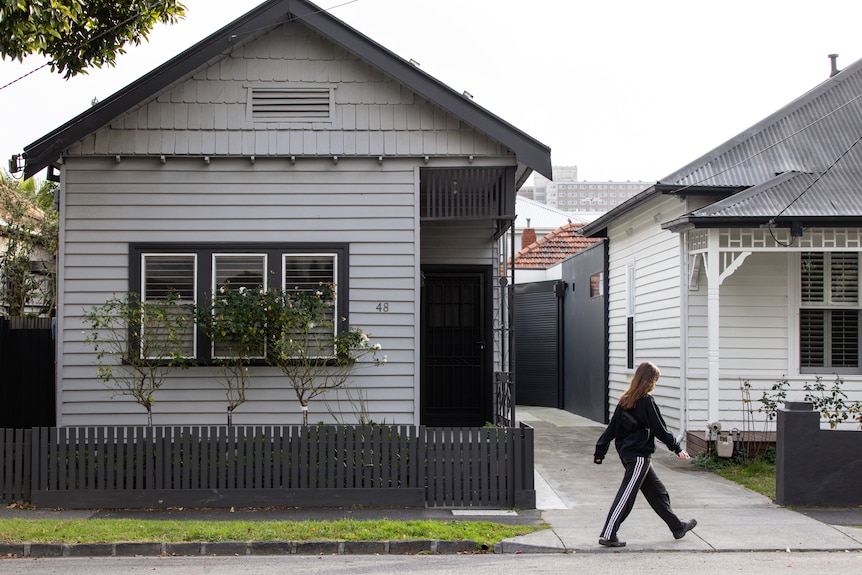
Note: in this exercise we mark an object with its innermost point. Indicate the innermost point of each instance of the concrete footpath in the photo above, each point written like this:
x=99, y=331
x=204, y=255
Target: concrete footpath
x=575, y=494
x=573, y=497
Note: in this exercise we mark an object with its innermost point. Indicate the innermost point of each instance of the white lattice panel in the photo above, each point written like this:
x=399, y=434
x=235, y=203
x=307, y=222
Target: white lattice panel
x=763, y=239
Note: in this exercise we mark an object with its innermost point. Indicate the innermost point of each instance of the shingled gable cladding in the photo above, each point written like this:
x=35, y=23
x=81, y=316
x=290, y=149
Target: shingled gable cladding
x=214, y=153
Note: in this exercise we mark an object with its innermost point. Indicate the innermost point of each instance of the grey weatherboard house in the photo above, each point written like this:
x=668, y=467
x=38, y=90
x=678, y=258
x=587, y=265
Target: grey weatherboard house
x=743, y=266
x=290, y=146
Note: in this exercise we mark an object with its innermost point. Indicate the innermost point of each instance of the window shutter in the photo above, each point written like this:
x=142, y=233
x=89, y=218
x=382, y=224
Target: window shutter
x=844, y=277
x=813, y=276
x=306, y=273
x=164, y=274
x=812, y=341
x=172, y=274
x=236, y=271
x=845, y=338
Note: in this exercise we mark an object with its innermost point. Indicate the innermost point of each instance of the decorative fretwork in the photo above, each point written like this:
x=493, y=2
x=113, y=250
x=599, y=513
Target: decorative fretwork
x=741, y=240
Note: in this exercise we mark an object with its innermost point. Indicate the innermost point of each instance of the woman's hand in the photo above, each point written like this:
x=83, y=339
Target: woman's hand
x=684, y=455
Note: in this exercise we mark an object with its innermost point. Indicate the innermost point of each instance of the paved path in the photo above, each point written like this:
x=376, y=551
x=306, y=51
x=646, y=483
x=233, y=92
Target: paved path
x=574, y=495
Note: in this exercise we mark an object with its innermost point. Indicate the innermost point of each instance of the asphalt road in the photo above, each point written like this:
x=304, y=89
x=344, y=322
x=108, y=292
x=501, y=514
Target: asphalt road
x=598, y=563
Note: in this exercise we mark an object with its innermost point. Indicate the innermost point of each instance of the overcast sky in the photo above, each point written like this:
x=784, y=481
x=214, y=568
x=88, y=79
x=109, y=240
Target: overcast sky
x=625, y=89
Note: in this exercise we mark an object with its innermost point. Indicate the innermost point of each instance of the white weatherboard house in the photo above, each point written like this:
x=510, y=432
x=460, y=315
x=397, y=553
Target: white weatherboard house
x=289, y=147
x=744, y=264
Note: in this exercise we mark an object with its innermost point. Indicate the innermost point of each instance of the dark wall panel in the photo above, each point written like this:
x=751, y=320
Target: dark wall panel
x=585, y=336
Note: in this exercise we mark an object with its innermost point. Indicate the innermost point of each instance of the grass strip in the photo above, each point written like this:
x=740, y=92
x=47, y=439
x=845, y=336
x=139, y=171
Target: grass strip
x=758, y=476
x=133, y=530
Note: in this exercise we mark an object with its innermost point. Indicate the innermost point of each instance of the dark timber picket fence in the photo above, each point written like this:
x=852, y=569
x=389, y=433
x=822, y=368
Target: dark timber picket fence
x=252, y=466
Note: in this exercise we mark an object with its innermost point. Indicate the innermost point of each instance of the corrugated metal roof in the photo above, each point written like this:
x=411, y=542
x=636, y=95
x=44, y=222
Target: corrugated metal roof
x=807, y=135
x=831, y=198
x=794, y=195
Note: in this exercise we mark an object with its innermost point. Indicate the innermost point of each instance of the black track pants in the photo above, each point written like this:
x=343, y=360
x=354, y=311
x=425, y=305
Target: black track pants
x=639, y=476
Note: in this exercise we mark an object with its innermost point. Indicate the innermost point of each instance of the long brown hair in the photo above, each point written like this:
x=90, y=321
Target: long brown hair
x=643, y=382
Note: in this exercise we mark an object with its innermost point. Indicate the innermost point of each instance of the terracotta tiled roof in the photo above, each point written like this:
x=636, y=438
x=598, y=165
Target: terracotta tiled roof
x=554, y=247
x=7, y=194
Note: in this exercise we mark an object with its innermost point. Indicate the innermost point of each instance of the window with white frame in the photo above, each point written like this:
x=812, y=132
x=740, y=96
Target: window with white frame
x=305, y=273
x=237, y=272
x=195, y=272
x=165, y=276
x=829, y=312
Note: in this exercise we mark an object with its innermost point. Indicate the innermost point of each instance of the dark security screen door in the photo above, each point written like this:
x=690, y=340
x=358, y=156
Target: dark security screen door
x=455, y=384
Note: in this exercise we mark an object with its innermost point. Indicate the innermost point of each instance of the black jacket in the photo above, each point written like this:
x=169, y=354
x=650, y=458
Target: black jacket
x=638, y=439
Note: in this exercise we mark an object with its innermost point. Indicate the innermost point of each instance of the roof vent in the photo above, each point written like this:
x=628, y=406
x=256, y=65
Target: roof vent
x=835, y=70
x=288, y=104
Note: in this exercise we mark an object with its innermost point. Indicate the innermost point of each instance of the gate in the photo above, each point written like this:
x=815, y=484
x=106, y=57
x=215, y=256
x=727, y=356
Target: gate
x=26, y=373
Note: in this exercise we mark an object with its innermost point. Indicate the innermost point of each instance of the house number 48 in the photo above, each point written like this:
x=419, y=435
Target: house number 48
x=383, y=306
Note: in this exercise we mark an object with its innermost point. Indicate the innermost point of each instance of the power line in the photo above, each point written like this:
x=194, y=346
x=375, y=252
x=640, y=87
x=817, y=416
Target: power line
x=774, y=144
x=129, y=19
x=25, y=75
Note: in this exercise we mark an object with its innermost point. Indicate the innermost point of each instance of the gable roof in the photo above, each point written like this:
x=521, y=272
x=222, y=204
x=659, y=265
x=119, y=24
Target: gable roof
x=558, y=245
x=828, y=199
x=816, y=134
x=530, y=153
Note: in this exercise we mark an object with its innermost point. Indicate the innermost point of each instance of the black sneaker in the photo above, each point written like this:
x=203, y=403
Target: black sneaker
x=686, y=527
x=611, y=542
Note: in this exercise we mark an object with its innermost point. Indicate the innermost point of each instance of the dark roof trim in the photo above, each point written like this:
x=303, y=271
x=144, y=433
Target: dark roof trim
x=528, y=151
x=48, y=149
x=599, y=227
x=689, y=222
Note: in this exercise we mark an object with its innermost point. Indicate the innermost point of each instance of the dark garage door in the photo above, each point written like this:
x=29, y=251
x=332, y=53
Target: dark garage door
x=537, y=374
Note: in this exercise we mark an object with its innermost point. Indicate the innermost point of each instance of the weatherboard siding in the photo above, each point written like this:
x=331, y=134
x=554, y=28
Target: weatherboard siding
x=189, y=166
x=655, y=255
x=108, y=206
x=207, y=114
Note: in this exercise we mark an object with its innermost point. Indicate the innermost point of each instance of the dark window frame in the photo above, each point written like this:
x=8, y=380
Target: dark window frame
x=275, y=272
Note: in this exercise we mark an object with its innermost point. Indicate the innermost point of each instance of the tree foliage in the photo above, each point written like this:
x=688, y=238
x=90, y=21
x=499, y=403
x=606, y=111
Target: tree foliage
x=302, y=343
x=79, y=34
x=28, y=246
x=138, y=342
x=234, y=320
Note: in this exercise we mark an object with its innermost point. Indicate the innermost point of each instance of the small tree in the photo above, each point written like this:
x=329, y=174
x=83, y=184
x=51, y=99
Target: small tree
x=137, y=343
x=303, y=344
x=28, y=244
x=234, y=321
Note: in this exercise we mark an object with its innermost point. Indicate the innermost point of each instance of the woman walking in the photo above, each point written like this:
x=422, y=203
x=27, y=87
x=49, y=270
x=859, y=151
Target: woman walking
x=634, y=426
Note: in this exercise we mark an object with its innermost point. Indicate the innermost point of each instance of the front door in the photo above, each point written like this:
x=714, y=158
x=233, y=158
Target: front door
x=456, y=346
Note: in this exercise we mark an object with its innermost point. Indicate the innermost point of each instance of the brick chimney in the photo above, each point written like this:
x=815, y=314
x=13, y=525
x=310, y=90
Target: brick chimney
x=528, y=237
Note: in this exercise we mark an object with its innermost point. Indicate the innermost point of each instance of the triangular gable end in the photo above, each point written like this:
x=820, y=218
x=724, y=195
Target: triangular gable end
x=288, y=91
x=531, y=154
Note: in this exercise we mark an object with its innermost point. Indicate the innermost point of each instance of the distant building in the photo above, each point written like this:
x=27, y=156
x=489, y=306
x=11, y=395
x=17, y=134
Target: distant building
x=568, y=194
x=542, y=219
